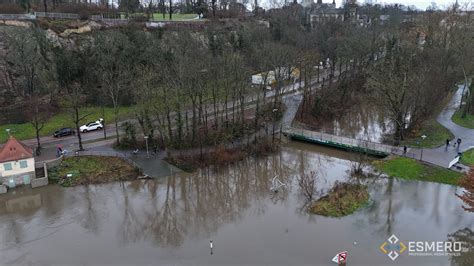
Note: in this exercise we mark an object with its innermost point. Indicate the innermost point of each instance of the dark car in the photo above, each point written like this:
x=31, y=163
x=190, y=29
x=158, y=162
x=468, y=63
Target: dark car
x=64, y=132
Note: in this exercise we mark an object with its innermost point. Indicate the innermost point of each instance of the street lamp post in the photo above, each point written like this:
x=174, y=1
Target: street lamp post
x=421, y=156
x=146, y=144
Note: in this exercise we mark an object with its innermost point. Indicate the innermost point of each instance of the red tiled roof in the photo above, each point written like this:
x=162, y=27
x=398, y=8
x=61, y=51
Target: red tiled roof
x=14, y=150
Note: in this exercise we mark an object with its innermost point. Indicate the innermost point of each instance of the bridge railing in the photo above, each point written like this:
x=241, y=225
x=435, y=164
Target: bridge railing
x=57, y=15
x=17, y=16
x=345, y=141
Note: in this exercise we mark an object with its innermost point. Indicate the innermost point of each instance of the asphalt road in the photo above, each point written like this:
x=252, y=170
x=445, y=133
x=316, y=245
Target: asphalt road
x=96, y=138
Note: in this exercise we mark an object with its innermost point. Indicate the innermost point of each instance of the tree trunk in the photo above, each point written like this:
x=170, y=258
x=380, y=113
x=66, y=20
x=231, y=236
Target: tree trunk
x=171, y=9
x=78, y=131
x=103, y=123
x=38, y=143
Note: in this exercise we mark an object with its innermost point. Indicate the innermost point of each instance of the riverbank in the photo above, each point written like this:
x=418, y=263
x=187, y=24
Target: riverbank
x=411, y=169
x=85, y=170
x=234, y=207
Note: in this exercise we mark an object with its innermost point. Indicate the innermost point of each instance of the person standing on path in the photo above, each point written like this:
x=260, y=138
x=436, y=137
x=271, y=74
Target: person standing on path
x=405, y=149
x=447, y=143
x=459, y=142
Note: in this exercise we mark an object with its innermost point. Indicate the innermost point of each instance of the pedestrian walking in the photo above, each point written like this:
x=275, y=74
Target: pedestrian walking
x=405, y=149
x=459, y=142
x=447, y=143
x=59, y=152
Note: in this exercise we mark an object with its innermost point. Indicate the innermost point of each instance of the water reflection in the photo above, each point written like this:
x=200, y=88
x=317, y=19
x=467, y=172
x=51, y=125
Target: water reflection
x=22, y=204
x=174, y=218
x=199, y=204
x=362, y=121
x=466, y=236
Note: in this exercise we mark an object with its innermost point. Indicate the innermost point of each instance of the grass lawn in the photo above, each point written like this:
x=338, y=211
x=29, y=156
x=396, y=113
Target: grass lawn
x=435, y=133
x=467, y=157
x=342, y=200
x=468, y=121
x=92, y=170
x=58, y=121
x=411, y=169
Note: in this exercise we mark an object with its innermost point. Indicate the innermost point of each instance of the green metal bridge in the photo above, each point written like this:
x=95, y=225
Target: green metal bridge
x=349, y=144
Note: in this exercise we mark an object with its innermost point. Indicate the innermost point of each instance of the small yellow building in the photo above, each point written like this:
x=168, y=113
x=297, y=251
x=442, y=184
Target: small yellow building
x=17, y=164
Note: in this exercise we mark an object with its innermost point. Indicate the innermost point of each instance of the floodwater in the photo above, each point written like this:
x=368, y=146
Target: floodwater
x=364, y=121
x=170, y=221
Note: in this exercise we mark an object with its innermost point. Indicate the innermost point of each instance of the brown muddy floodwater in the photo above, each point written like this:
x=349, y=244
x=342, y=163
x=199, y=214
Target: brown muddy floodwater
x=364, y=121
x=170, y=221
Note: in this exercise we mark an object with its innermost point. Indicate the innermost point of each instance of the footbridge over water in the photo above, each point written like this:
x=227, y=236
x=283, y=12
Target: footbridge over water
x=350, y=144
x=293, y=102
x=443, y=156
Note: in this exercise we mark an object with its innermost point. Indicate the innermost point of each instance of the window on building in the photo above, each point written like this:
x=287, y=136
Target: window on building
x=23, y=164
x=7, y=166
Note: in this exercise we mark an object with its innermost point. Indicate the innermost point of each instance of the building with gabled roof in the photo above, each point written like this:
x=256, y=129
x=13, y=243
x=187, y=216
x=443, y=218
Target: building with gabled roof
x=17, y=163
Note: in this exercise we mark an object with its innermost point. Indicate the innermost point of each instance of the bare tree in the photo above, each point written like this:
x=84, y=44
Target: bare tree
x=307, y=184
x=113, y=69
x=38, y=114
x=71, y=73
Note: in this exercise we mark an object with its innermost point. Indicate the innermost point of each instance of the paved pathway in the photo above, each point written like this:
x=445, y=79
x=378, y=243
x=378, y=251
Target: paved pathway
x=442, y=156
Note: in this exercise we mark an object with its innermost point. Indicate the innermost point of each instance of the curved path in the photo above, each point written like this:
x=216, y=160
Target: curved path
x=442, y=156
x=444, y=118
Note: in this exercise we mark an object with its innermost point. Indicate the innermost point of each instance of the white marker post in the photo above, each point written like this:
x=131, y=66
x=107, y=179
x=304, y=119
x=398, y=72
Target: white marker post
x=210, y=245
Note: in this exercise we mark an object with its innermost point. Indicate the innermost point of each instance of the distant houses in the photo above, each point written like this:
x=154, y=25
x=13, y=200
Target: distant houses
x=270, y=78
x=17, y=164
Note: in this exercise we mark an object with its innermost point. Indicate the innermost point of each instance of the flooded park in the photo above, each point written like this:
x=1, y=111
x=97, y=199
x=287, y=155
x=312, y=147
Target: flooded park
x=171, y=220
x=364, y=121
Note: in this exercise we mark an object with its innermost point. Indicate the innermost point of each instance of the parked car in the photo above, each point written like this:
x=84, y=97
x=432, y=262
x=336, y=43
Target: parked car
x=91, y=126
x=67, y=131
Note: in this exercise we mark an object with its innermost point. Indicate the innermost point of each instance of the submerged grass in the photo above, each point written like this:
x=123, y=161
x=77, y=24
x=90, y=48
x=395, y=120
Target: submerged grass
x=411, y=169
x=342, y=200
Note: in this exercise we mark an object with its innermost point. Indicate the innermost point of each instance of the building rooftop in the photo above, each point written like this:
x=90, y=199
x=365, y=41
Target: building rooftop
x=14, y=150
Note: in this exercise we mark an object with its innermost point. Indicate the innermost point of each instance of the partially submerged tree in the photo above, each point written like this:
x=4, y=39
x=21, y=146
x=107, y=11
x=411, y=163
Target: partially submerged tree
x=393, y=81
x=307, y=183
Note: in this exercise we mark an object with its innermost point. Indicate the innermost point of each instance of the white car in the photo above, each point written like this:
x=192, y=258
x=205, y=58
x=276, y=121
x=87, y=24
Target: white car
x=91, y=127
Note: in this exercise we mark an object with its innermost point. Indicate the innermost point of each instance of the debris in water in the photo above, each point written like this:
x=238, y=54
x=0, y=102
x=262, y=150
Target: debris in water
x=276, y=184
